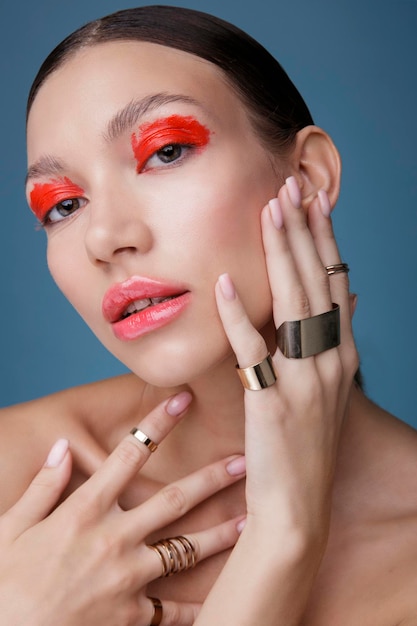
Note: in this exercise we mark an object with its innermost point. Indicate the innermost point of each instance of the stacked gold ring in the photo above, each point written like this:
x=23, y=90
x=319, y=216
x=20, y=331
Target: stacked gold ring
x=337, y=268
x=177, y=554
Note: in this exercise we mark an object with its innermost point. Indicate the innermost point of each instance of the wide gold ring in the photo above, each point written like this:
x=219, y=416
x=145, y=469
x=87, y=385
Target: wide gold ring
x=303, y=338
x=258, y=376
x=157, y=612
x=177, y=554
x=140, y=436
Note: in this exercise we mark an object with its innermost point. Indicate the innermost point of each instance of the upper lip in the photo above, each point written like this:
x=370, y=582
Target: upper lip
x=118, y=297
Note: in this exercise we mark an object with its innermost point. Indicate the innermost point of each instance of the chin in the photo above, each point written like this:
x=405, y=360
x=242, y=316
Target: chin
x=171, y=362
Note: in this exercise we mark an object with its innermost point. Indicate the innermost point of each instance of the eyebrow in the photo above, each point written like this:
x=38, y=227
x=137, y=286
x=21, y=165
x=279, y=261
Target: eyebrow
x=121, y=122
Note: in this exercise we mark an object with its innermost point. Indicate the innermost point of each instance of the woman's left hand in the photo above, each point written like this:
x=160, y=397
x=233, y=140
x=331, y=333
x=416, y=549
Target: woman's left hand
x=293, y=426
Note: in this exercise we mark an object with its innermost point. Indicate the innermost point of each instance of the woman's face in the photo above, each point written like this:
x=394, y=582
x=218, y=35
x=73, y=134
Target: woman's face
x=150, y=179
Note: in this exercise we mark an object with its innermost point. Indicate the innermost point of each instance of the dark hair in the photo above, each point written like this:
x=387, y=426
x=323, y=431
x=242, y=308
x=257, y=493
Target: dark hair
x=274, y=104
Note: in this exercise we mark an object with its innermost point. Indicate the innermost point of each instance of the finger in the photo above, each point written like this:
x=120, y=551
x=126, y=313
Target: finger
x=177, y=613
x=322, y=230
x=176, y=499
x=299, y=282
x=247, y=344
x=105, y=486
x=206, y=543
x=321, y=227
x=43, y=492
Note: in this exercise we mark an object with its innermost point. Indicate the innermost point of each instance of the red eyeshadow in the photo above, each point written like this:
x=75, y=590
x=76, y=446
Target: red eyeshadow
x=45, y=195
x=175, y=129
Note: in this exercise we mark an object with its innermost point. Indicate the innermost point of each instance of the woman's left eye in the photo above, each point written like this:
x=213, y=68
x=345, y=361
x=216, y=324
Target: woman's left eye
x=166, y=155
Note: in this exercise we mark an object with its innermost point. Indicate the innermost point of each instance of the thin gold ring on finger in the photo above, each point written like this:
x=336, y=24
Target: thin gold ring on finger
x=157, y=612
x=337, y=268
x=303, y=338
x=258, y=376
x=140, y=436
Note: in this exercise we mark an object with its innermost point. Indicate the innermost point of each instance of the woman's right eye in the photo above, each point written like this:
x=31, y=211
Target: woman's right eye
x=63, y=209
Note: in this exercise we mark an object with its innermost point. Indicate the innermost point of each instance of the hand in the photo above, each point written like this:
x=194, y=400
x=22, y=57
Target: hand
x=87, y=562
x=292, y=427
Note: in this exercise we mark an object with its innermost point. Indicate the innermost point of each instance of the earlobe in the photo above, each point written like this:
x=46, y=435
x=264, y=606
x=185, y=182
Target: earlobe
x=316, y=164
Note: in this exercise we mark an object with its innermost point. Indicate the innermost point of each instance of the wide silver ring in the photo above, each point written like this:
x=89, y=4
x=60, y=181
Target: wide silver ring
x=303, y=338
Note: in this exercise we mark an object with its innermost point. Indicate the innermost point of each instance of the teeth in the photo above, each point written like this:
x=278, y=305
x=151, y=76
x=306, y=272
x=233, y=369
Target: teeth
x=139, y=305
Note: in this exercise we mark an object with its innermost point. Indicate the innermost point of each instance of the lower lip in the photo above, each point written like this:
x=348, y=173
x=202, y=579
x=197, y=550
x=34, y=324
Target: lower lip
x=150, y=319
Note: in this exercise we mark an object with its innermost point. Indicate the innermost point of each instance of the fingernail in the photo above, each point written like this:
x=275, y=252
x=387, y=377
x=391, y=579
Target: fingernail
x=227, y=287
x=57, y=453
x=237, y=466
x=294, y=191
x=324, y=201
x=177, y=405
x=276, y=213
x=241, y=525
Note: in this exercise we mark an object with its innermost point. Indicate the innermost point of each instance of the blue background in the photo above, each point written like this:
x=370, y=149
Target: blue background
x=355, y=64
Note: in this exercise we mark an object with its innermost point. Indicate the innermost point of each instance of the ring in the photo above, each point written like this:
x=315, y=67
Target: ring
x=157, y=612
x=140, y=436
x=177, y=554
x=337, y=268
x=303, y=338
x=258, y=376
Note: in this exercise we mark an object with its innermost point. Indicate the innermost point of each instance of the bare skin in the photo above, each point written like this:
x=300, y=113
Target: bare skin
x=306, y=454
x=370, y=559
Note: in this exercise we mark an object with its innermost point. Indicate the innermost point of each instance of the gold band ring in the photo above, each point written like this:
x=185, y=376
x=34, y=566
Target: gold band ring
x=259, y=376
x=303, y=338
x=337, y=268
x=157, y=612
x=140, y=436
x=177, y=554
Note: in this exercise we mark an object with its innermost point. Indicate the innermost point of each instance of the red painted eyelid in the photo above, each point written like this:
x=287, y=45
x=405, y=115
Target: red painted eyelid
x=44, y=196
x=175, y=129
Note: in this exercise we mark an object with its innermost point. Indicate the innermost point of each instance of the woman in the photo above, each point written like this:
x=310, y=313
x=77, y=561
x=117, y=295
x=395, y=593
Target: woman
x=186, y=195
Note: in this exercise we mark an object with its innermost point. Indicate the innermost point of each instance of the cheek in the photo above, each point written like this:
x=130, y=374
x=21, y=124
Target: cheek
x=63, y=263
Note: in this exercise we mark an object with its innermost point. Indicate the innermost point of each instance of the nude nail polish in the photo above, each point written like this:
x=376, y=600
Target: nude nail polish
x=324, y=201
x=294, y=191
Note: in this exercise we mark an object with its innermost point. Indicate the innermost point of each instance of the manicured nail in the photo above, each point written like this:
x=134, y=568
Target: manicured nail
x=57, y=453
x=324, y=201
x=237, y=466
x=241, y=525
x=276, y=213
x=294, y=191
x=177, y=405
x=227, y=287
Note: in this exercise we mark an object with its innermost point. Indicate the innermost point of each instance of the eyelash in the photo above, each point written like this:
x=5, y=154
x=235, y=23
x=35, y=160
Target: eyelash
x=47, y=221
x=158, y=154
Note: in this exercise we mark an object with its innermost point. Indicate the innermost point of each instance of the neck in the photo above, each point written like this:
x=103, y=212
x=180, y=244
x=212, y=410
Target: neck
x=215, y=424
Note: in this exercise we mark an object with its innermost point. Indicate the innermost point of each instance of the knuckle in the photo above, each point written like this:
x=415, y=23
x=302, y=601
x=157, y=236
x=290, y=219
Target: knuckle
x=130, y=453
x=299, y=302
x=128, y=614
x=106, y=543
x=174, y=498
x=174, y=615
x=213, y=479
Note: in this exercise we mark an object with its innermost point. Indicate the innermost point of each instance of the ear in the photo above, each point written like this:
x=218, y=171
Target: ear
x=315, y=162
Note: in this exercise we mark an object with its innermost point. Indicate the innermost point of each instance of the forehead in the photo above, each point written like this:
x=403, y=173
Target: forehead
x=97, y=81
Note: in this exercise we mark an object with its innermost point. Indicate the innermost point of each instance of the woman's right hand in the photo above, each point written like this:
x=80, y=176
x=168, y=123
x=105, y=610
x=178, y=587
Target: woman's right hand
x=87, y=561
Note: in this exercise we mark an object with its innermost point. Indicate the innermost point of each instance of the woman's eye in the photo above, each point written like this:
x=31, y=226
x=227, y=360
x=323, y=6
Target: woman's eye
x=63, y=209
x=168, y=154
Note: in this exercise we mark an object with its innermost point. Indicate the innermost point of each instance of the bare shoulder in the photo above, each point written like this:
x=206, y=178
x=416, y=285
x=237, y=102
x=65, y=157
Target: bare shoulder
x=369, y=575
x=28, y=430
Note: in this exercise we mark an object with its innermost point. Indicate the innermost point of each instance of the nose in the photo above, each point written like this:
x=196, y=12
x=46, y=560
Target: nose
x=116, y=227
